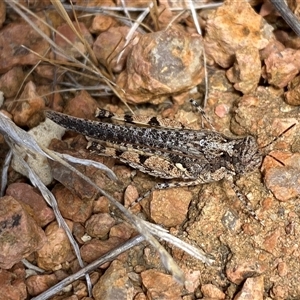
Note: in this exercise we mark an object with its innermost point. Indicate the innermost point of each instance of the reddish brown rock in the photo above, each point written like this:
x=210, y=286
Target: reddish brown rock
x=57, y=250
x=49, y=72
x=222, y=110
x=192, y=279
x=253, y=289
x=130, y=195
x=233, y=26
x=54, y=99
x=79, y=233
x=114, y=283
x=282, y=269
x=280, y=291
x=71, y=48
x=282, y=180
x=268, y=8
x=99, y=225
x=19, y=233
x=110, y=44
x=162, y=63
x=81, y=106
x=101, y=23
x=95, y=276
x=122, y=230
x=80, y=290
x=71, y=206
x=169, y=207
x=160, y=286
x=19, y=270
x=292, y=96
x=101, y=205
x=28, y=109
x=11, y=81
x=246, y=71
x=211, y=291
x=42, y=213
x=271, y=241
x=12, y=287
x=16, y=34
x=166, y=15
x=37, y=284
x=273, y=46
x=281, y=67
x=96, y=248
x=237, y=272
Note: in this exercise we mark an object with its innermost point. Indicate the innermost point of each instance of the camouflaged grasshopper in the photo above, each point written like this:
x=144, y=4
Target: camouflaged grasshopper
x=168, y=150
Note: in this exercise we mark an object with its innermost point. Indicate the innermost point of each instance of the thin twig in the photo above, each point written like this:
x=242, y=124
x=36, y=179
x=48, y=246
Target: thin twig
x=89, y=268
x=287, y=15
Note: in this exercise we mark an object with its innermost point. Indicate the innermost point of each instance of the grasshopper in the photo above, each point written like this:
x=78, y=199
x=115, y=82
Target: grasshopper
x=168, y=150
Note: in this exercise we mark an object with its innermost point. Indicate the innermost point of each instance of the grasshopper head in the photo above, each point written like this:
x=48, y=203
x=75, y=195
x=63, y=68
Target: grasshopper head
x=250, y=158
